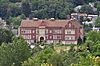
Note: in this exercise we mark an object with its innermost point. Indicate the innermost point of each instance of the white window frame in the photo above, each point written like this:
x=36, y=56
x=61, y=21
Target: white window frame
x=50, y=31
x=69, y=37
x=33, y=31
x=72, y=31
x=56, y=31
x=56, y=36
x=41, y=31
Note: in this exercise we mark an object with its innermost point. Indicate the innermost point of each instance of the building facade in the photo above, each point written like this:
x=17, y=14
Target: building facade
x=51, y=30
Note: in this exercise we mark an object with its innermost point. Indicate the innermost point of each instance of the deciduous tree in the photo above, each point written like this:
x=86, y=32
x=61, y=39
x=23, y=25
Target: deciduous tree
x=14, y=53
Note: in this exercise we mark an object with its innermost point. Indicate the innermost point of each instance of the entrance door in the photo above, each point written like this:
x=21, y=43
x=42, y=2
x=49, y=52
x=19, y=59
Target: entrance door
x=41, y=39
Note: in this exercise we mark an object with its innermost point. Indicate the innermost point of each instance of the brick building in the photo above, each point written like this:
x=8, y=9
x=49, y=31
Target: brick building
x=51, y=30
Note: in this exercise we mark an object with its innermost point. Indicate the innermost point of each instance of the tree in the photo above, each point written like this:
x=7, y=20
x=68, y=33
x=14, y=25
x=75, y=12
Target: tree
x=96, y=49
x=42, y=9
x=39, y=58
x=87, y=9
x=93, y=36
x=14, y=10
x=97, y=23
x=78, y=2
x=56, y=59
x=51, y=9
x=29, y=62
x=97, y=5
x=81, y=2
x=92, y=42
x=4, y=1
x=5, y=36
x=14, y=1
x=26, y=8
x=14, y=53
x=16, y=21
x=89, y=60
x=3, y=10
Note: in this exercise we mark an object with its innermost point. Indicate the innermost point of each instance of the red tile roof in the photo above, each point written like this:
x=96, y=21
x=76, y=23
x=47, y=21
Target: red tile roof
x=48, y=23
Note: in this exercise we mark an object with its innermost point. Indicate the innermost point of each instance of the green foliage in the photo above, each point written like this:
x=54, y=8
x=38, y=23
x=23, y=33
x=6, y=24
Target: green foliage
x=16, y=20
x=14, y=10
x=42, y=9
x=14, y=53
x=86, y=9
x=86, y=54
x=93, y=43
x=36, y=8
x=97, y=23
x=72, y=58
x=50, y=56
x=56, y=59
x=3, y=1
x=81, y=2
x=39, y=58
x=5, y=36
x=3, y=10
x=43, y=56
x=51, y=8
x=14, y=1
x=88, y=61
x=29, y=62
x=63, y=59
x=17, y=52
x=98, y=6
x=93, y=36
x=26, y=8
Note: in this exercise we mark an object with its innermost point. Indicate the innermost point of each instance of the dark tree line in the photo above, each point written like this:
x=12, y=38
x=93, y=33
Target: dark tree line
x=42, y=9
x=39, y=8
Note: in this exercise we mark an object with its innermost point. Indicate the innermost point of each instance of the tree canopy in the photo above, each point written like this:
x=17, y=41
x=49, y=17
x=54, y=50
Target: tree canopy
x=44, y=9
x=5, y=36
x=14, y=53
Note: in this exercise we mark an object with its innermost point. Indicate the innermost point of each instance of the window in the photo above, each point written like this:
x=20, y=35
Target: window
x=56, y=31
x=66, y=38
x=69, y=31
x=41, y=31
x=27, y=36
x=26, y=31
x=33, y=31
x=33, y=36
x=50, y=37
x=69, y=37
x=56, y=36
x=50, y=31
x=23, y=31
